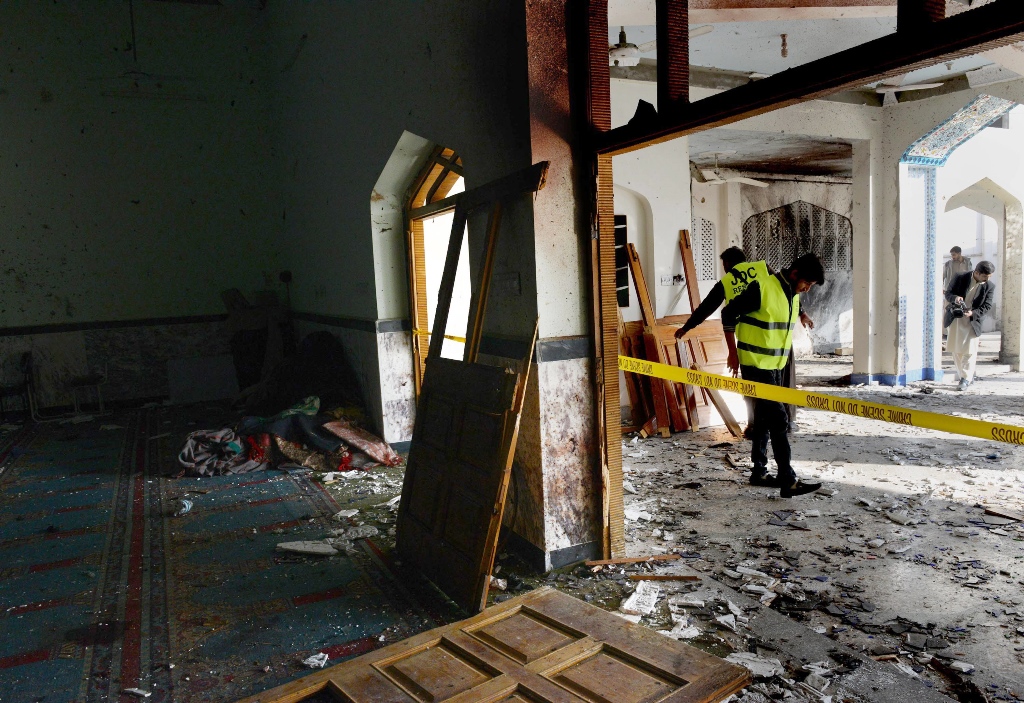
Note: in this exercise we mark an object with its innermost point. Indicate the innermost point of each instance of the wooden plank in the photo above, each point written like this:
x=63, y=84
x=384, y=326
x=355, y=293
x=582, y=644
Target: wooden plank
x=666, y=407
x=723, y=410
x=689, y=393
x=1004, y=513
x=643, y=295
x=689, y=269
x=659, y=390
x=637, y=413
x=543, y=646
x=447, y=286
x=606, y=310
x=1000, y=23
x=700, y=361
x=479, y=306
x=417, y=297
x=633, y=560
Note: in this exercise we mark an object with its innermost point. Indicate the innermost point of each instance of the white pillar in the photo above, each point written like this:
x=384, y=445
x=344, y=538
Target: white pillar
x=1013, y=286
x=862, y=245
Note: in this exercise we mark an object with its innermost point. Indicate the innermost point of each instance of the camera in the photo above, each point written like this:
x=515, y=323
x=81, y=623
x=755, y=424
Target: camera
x=958, y=309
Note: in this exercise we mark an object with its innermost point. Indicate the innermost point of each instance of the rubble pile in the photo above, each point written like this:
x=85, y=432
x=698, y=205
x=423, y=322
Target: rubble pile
x=912, y=552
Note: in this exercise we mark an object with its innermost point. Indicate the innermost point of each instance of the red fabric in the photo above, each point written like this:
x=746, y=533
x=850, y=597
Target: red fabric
x=259, y=447
x=371, y=445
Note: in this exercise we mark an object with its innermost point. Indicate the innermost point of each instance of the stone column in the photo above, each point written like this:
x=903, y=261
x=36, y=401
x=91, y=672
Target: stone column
x=1012, y=285
x=876, y=252
x=554, y=500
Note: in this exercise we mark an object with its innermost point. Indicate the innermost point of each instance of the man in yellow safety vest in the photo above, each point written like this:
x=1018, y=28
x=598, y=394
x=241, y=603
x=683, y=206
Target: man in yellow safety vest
x=765, y=310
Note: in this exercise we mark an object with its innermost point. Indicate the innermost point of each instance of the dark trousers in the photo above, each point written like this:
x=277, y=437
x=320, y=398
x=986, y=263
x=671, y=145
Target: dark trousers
x=789, y=381
x=771, y=423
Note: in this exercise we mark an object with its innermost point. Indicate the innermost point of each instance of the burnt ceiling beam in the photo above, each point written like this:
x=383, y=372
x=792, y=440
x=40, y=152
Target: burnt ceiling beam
x=773, y=4
x=673, y=35
x=997, y=24
x=917, y=15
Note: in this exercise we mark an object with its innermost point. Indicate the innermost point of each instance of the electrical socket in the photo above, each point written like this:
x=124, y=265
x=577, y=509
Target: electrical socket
x=666, y=280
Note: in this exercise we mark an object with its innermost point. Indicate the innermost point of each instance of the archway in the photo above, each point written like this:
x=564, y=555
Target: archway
x=989, y=198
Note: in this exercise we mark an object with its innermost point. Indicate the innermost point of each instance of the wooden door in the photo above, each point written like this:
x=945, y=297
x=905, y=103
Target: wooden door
x=541, y=647
x=457, y=475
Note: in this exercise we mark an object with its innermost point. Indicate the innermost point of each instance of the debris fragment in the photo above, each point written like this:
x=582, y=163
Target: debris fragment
x=345, y=514
x=643, y=600
x=632, y=560
x=317, y=661
x=760, y=667
x=137, y=692
x=309, y=548
x=184, y=507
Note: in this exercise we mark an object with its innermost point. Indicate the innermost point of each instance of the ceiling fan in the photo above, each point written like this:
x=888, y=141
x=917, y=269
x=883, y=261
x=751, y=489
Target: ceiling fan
x=888, y=89
x=627, y=54
x=718, y=180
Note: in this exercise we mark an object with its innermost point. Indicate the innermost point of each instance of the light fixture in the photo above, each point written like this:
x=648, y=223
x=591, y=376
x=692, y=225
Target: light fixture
x=623, y=53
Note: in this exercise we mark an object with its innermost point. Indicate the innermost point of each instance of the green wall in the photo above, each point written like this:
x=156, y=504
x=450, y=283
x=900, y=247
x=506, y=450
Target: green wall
x=115, y=206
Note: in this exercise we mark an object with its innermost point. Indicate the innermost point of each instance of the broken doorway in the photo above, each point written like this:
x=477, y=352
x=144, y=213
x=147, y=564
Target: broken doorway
x=430, y=213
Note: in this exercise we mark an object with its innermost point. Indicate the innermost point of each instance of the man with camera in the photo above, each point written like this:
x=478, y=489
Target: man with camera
x=970, y=296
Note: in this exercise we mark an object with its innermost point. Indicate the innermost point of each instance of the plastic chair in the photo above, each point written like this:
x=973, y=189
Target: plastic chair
x=92, y=380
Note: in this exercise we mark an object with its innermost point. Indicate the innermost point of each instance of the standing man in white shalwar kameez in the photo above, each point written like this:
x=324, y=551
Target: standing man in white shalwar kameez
x=970, y=296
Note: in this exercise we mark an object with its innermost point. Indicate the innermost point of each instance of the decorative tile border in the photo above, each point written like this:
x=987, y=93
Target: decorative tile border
x=935, y=148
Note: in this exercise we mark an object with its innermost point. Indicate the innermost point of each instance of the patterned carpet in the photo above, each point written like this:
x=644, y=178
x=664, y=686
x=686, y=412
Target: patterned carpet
x=102, y=588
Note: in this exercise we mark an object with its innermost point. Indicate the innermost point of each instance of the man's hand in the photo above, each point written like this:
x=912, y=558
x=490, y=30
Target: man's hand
x=968, y=313
x=680, y=332
x=806, y=321
x=734, y=362
x=957, y=300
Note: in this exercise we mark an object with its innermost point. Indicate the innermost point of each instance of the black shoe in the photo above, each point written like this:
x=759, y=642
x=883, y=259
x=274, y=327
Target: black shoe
x=798, y=489
x=764, y=480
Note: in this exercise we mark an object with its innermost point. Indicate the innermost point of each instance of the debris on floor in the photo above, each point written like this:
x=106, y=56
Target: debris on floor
x=317, y=661
x=912, y=553
x=297, y=438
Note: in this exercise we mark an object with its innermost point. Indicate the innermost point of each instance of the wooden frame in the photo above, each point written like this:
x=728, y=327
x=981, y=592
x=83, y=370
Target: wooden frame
x=543, y=646
x=427, y=197
x=467, y=425
x=924, y=38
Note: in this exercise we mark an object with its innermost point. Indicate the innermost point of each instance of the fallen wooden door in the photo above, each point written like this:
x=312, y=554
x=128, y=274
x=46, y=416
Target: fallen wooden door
x=541, y=647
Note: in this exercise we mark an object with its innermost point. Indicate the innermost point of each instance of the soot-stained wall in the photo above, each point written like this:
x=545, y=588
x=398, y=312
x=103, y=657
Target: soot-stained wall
x=131, y=188
x=134, y=186
x=830, y=305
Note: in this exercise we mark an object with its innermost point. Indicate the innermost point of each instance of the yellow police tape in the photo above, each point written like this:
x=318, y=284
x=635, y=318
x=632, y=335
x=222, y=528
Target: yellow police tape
x=447, y=336
x=832, y=403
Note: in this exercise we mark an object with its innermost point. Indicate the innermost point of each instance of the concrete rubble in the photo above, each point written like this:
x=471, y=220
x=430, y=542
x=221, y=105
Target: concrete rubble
x=910, y=553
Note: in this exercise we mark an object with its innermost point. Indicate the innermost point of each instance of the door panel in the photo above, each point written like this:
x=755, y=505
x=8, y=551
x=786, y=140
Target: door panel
x=542, y=647
x=457, y=476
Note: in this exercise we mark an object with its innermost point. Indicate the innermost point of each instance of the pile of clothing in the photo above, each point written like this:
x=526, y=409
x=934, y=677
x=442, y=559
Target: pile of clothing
x=297, y=437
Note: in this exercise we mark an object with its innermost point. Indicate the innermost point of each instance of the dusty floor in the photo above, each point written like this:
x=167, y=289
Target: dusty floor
x=847, y=570
x=943, y=590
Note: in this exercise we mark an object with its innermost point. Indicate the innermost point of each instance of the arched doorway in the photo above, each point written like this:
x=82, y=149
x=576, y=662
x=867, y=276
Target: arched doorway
x=987, y=197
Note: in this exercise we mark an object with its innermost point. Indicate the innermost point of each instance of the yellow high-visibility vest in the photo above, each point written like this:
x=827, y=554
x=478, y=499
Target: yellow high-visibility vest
x=765, y=336
x=736, y=279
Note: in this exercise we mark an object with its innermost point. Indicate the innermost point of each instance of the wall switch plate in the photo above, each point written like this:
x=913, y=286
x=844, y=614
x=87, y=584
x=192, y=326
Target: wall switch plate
x=666, y=280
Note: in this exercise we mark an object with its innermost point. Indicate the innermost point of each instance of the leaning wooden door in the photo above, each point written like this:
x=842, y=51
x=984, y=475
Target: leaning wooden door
x=542, y=647
x=457, y=475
